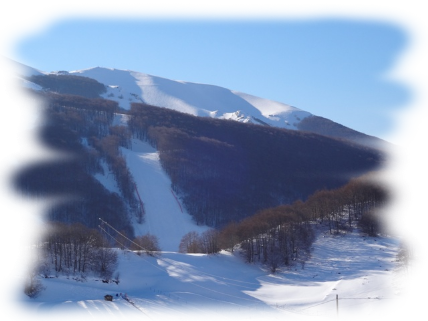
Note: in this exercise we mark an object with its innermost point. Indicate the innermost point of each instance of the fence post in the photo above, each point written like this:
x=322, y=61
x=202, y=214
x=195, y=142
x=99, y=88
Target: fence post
x=337, y=304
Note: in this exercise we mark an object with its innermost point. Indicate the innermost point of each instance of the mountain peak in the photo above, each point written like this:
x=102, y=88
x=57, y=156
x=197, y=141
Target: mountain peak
x=127, y=87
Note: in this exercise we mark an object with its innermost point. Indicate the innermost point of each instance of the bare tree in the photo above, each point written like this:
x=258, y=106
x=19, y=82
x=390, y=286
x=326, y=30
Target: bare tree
x=209, y=241
x=148, y=243
x=106, y=261
x=190, y=243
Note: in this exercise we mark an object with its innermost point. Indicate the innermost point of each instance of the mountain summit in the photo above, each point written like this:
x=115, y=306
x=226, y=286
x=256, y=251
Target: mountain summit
x=127, y=87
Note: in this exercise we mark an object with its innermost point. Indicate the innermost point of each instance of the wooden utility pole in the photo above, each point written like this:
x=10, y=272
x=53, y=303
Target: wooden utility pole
x=337, y=304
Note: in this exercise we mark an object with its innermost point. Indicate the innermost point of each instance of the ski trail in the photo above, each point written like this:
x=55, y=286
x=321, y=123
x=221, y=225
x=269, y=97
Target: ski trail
x=164, y=216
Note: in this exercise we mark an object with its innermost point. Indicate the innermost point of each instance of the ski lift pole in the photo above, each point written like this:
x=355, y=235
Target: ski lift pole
x=337, y=304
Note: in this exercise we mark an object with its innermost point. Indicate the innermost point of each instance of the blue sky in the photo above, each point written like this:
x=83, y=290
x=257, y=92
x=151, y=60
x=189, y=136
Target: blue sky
x=330, y=67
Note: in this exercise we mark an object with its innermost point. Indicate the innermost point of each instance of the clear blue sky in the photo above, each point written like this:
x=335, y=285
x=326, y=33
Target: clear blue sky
x=332, y=68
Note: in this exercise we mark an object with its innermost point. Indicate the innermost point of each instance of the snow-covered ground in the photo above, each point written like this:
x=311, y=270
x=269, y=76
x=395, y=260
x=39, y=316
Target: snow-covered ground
x=361, y=271
x=126, y=87
x=166, y=217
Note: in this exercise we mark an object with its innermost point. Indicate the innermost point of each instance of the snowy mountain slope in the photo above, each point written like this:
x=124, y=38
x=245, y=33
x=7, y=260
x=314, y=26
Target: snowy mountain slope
x=165, y=217
x=361, y=271
x=126, y=87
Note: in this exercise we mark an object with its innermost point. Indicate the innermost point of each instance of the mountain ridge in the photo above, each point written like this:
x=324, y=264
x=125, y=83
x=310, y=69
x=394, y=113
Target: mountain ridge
x=127, y=87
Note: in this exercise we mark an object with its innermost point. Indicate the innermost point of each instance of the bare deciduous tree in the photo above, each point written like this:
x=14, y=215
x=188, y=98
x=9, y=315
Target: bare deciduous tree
x=190, y=243
x=148, y=243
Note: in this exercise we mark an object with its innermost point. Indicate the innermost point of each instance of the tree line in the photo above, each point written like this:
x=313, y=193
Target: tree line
x=54, y=247
x=224, y=170
x=54, y=179
x=82, y=128
x=19, y=98
x=356, y=202
x=324, y=126
x=69, y=84
x=283, y=235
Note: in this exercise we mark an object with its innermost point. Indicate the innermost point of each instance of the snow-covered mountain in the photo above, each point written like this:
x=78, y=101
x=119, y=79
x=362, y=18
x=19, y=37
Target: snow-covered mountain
x=126, y=87
x=152, y=184
x=362, y=271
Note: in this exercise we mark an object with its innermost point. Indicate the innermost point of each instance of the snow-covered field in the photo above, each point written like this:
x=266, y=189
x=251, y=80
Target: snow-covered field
x=361, y=271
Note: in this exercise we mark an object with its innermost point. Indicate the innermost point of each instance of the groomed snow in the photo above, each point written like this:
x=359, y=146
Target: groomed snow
x=361, y=271
x=174, y=286
x=165, y=216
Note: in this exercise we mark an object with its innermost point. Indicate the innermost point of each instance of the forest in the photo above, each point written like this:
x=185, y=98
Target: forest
x=82, y=128
x=225, y=171
x=63, y=83
x=54, y=248
x=324, y=126
x=257, y=186
x=282, y=236
x=264, y=191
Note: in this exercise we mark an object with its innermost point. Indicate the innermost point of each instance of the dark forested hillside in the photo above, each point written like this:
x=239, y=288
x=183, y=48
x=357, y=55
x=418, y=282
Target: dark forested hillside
x=83, y=129
x=69, y=84
x=225, y=170
x=222, y=170
x=54, y=181
x=283, y=235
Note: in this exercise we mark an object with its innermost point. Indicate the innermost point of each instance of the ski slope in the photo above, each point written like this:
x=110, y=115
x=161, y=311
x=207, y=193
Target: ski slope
x=165, y=217
x=174, y=286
